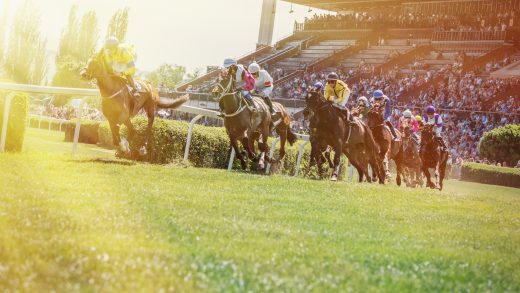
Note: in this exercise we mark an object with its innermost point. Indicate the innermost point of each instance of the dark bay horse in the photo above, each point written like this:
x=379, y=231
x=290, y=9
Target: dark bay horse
x=118, y=105
x=388, y=148
x=353, y=139
x=248, y=127
x=432, y=156
x=411, y=160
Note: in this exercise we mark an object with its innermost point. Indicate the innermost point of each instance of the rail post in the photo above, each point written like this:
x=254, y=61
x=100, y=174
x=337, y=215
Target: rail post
x=78, y=104
x=231, y=159
x=300, y=155
x=271, y=153
x=190, y=132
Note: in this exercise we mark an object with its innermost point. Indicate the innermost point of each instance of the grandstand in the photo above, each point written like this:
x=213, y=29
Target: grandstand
x=463, y=56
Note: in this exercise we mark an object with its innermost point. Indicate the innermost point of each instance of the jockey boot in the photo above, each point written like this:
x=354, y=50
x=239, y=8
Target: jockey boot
x=441, y=143
x=392, y=129
x=251, y=104
x=269, y=103
x=134, y=90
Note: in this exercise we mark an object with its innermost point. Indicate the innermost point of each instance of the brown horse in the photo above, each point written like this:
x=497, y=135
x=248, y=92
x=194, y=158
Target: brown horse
x=388, y=148
x=248, y=127
x=351, y=138
x=432, y=156
x=411, y=159
x=118, y=105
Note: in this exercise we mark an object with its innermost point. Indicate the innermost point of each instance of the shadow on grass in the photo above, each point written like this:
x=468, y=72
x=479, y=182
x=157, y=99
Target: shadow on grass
x=106, y=161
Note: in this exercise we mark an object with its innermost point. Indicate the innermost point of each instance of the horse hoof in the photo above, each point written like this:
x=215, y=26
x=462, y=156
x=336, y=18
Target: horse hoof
x=334, y=178
x=243, y=165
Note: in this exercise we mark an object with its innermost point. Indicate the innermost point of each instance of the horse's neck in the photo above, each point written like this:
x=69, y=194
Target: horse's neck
x=232, y=103
x=109, y=85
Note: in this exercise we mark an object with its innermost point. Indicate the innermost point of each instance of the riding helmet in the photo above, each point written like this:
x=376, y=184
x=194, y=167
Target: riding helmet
x=407, y=114
x=111, y=42
x=228, y=62
x=378, y=94
x=430, y=110
x=332, y=76
x=253, y=67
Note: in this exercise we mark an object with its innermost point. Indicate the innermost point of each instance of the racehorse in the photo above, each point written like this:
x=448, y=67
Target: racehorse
x=244, y=125
x=352, y=138
x=432, y=156
x=119, y=106
x=388, y=148
x=411, y=159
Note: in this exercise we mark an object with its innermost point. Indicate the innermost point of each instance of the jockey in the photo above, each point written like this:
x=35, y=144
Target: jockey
x=120, y=59
x=317, y=87
x=363, y=106
x=263, y=84
x=244, y=81
x=336, y=90
x=432, y=118
x=420, y=123
x=380, y=100
x=409, y=119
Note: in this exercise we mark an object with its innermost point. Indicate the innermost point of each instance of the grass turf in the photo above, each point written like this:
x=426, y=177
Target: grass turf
x=95, y=224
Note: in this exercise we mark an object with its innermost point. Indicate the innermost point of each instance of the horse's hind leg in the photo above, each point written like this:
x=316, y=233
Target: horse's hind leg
x=150, y=113
x=234, y=145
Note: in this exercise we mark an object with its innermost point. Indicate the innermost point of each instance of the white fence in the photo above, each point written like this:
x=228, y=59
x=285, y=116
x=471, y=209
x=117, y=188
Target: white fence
x=199, y=112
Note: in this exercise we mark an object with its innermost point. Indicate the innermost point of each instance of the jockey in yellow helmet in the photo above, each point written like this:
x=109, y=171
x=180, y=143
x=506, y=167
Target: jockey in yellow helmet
x=120, y=59
x=336, y=90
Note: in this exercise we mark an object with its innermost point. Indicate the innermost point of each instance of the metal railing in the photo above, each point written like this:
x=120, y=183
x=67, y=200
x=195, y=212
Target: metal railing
x=199, y=112
x=469, y=36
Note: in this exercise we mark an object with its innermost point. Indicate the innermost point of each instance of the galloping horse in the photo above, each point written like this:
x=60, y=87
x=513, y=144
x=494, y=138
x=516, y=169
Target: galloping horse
x=388, y=149
x=432, y=156
x=248, y=127
x=351, y=138
x=118, y=105
x=411, y=159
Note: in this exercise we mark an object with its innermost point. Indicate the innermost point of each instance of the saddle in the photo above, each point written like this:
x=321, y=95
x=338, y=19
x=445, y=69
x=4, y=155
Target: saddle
x=344, y=112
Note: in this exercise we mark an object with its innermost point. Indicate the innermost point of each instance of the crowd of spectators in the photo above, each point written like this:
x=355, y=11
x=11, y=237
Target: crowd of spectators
x=402, y=19
x=67, y=112
x=470, y=104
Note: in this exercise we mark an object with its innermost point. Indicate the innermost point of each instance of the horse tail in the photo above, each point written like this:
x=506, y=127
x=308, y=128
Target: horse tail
x=291, y=137
x=168, y=103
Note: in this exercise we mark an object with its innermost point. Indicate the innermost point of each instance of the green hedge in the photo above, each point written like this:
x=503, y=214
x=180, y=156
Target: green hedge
x=17, y=121
x=88, y=132
x=490, y=174
x=209, y=146
x=502, y=144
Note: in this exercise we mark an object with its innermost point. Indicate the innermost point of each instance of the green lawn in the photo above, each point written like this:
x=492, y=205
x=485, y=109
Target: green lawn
x=87, y=224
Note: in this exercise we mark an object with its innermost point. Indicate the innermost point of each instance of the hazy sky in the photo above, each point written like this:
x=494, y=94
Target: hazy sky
x=192, y=33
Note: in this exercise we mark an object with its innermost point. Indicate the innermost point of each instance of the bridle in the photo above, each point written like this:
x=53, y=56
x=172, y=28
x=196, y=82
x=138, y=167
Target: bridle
x=91, y=76
x=226, y=91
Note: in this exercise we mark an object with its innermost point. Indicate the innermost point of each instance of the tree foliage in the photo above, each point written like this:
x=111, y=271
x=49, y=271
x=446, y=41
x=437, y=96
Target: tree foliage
x=26, y=57
x=78, y=42
x=167, y=75
x=118, y=24
x=502, y=144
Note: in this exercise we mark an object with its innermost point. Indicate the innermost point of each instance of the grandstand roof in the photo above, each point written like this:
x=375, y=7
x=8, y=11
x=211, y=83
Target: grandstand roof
x=345, y=5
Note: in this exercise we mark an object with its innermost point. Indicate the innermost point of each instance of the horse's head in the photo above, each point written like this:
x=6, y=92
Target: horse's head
x=375, y=116
x=427, y=134
x=314, y=99
x=223, y=87
x=95, y=68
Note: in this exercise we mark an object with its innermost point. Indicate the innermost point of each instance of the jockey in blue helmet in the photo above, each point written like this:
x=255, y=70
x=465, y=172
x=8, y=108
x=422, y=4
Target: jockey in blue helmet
x=242, y=78
x=318, y=87
x=379, y=99
x=433, y=118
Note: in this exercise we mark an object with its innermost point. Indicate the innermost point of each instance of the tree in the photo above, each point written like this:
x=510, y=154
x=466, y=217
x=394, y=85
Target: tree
x=118, y=24
x=501, y=144
x=3, y=25
x=26, y=57
x=167, y=75
x=78, y=42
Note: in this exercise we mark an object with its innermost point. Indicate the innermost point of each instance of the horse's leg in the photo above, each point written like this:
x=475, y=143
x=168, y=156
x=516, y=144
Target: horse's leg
x=442, y=170
x=234, y=145
x=264, y=146
x=116, y=138
x=338, y=150
x=247, y=142
x=426, y=172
